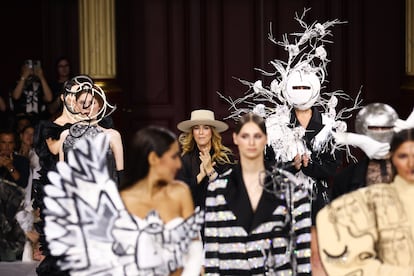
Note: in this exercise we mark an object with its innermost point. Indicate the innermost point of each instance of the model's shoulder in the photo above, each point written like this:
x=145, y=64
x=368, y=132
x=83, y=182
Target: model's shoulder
x=178, y=186
x=111, y=132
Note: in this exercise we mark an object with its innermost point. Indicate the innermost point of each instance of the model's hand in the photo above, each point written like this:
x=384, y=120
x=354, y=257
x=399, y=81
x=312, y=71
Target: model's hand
x=206, y=163
x=38, y=71
x=404, y=124
x=372, y=148
x=305, y=160
x=297, y=161
x=27, y=71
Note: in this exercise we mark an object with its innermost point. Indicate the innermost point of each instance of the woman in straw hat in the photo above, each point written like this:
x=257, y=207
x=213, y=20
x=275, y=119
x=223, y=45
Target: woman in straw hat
x=204, y=156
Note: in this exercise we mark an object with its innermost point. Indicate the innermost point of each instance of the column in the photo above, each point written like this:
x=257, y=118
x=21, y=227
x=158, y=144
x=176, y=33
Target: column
x=97, y=42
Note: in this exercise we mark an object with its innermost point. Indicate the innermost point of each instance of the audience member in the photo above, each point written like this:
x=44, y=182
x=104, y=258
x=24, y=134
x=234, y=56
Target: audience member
x=14, y=175
x=7, y=117
x=12, y=237
x=13, y=167
x=247, y=227
x=32, y=92
x=369, y=231
x=27, y=216
x=63, y=74
x=20, y=122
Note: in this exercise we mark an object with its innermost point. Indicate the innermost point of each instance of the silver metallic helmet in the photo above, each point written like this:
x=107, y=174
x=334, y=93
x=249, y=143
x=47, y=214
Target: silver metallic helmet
x=376, y=120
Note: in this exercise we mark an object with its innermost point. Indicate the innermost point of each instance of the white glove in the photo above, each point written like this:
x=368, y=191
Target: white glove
x=404, y=124
x=372, y=148
x=193, y=260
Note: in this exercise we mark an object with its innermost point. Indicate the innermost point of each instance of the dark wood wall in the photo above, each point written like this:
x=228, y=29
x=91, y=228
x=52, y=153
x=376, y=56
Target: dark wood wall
x=174, y=55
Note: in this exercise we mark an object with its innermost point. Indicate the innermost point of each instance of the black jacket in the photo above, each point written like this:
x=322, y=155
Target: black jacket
x=188, y=173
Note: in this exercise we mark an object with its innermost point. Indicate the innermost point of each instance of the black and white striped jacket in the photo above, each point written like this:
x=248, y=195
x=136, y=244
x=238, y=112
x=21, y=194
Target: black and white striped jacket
x=239, y=241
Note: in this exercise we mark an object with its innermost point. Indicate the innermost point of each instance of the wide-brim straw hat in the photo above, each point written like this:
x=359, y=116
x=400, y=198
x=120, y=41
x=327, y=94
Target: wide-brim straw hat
x=202, y=117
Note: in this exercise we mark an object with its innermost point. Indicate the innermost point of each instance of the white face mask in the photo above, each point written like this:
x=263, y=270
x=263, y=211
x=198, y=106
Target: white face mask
x=376, y=120
x=302, y=89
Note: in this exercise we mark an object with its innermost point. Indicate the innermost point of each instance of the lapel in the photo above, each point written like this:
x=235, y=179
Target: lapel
x=239, y=203
x=238, y=200
x=265, y=208
x=314, y=126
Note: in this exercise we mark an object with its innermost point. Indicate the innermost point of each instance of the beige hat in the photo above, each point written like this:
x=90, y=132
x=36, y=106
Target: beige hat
x=202, y=117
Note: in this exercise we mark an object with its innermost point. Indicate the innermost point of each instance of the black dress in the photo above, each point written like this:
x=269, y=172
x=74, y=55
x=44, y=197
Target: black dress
x=43, y=131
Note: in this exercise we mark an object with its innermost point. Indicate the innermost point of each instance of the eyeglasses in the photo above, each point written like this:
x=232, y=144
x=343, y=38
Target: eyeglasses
x=63, y=65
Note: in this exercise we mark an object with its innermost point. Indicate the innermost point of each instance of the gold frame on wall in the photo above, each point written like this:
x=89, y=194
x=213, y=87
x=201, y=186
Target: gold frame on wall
x=409, y=45
x=409, y=62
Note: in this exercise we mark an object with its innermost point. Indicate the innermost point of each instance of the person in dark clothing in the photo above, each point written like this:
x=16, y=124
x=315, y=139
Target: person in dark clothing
x=13, y=167
x=204, y=156
x=14, y=176
x=32, y=92
x=376, y=121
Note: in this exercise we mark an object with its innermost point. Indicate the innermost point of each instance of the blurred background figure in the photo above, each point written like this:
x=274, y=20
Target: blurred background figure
x=13, y=167
x=63, y=74
x=3, y=105
x=14, y=175
x=7, y=117
x=32, y=92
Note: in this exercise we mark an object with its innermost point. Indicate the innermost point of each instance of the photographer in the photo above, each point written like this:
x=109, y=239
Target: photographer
x=32, y=92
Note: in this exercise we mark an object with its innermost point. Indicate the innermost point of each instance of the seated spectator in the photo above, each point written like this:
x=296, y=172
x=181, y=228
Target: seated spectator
x=28, y=216
x=14, y=174
x=13, y=167
x=12, y=237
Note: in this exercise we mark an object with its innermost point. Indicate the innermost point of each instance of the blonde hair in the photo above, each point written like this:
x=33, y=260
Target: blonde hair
x=221, y=152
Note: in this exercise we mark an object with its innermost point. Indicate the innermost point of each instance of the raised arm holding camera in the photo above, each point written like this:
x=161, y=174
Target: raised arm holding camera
x=32, y=92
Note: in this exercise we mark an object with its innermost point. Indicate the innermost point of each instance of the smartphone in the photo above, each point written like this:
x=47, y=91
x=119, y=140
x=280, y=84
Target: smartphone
x=37, y=64
x=29, y=63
